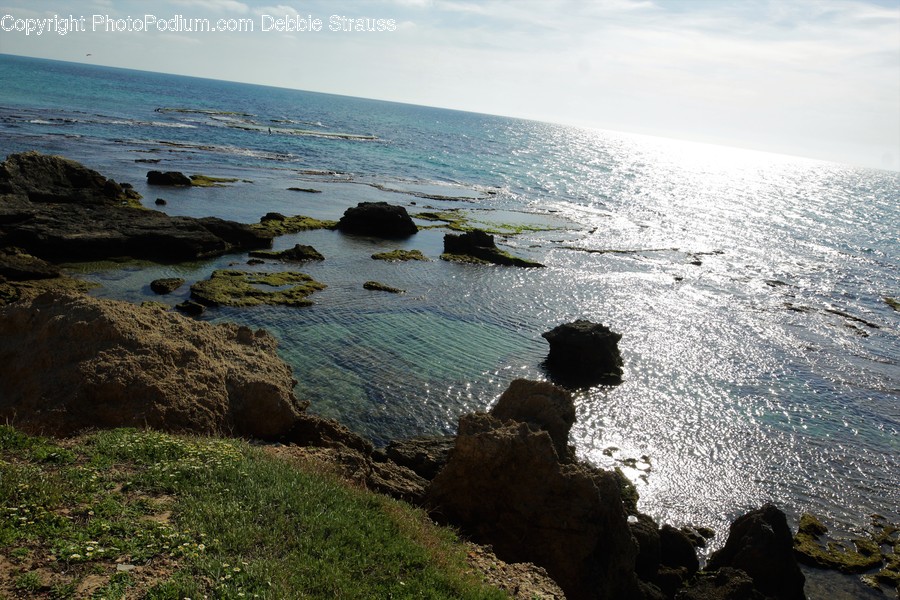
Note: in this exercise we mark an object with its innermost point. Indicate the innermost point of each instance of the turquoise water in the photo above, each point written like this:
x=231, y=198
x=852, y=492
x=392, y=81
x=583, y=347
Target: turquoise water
x=745, y=380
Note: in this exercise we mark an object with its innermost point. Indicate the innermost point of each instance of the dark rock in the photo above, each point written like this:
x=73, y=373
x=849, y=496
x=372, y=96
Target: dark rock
x=760, y=544
x=168, y=178
x=425, y=456
x=167, y=285
x=310, y=430
x=299, y=253
x=542, y=405
x=58, y=210
x=698, y=536
x=44, y=178
x=676, y=550
x=504, y=485
x=583, y=352
x=307, y=190
x=378, y=219
x=724, y=584
x=479, y=247
x=160, y=202
x=396, y=481
x=191, y=308
x=377, y=286
x=255, y=261
x=646, y=533
x=17, y=265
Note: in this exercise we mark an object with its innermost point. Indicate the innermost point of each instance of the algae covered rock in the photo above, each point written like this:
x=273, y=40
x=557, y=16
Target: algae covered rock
x=278, y=224
x=242, y=288
x=812, y=549
x=377, y=286
x=70, y=362
x=478, y=247
x=299, y=253
x=400, y=255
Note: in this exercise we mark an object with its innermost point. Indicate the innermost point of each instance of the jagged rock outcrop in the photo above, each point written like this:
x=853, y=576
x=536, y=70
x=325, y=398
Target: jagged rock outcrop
x=69, y=362
x=543, y=406
x=378, y=219
x=583, y=352
x=504, y=484
x=477, y=246
x=424, y=455
x=760, y=544
x=58, y=210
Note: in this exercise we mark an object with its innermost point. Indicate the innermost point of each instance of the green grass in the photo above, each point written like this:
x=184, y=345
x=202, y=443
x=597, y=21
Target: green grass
x=207, y=517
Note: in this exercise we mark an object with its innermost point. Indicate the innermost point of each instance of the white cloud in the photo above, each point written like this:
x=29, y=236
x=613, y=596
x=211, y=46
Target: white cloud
x=232, y=6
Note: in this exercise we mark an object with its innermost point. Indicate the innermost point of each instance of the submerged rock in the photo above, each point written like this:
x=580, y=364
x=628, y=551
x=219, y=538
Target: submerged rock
x=812, y=550
x=400, y=255
x=476, y=246
x=58, y=210
x=583, y=352
x=377, y=286
x=299, y=253
x=275, y=223
x=760, y=544
x=70, y=362
x=240, y=288
x=378, y=219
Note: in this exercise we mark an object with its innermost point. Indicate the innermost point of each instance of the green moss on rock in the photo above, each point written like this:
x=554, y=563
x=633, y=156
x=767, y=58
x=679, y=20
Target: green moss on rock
x=299, y=253
x=810, y=549
x=400, y=255
x=240, y=288
x=206, y=181
x=893, y=303
x=278, y=224
x=463, y=258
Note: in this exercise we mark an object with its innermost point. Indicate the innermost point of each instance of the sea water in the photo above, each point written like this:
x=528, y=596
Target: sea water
x=760, y=357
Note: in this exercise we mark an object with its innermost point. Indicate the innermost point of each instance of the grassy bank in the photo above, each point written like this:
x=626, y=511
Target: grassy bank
x=141, y=514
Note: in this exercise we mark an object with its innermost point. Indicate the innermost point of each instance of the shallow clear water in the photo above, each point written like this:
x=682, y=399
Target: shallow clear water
x=746, y=376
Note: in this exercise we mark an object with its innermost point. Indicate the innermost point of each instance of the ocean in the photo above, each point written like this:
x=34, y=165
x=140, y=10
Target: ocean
x=760, y=355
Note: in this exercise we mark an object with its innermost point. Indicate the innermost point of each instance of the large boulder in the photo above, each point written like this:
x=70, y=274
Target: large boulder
x=760, y=544
x=58, y=210
x=175, y=178
x=542, y=405
x=70, y=362
x=583, y=352
x=505, y=485
x=378, y=219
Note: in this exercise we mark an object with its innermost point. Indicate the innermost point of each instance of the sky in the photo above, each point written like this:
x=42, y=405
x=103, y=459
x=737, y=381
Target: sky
x=815, y=78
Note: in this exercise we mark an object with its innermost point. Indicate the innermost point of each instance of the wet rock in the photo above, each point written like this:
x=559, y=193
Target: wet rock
x=70, y=362
x=504, y=485
x=760, y=544
x=160, y=202
x=476, y=246
x=166, y=285
x=275, y=223
x=241, y=288
x=174, y=178
x=425, y=456
x=811, y=549
x=378, y=219
x=400, y=255
x=191, y=308
x=583, y=352
x=377, y=286
x=299, y=253
x=542, y=405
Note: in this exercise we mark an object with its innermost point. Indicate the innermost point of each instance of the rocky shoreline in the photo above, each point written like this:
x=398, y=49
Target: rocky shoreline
x=508, y=478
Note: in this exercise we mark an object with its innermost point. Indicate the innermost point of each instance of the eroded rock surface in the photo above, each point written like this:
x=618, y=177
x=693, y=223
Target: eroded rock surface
x=69, y=362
